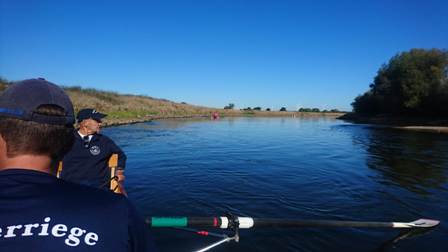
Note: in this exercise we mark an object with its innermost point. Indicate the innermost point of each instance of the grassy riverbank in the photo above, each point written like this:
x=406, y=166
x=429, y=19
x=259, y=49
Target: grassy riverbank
x=125, y=109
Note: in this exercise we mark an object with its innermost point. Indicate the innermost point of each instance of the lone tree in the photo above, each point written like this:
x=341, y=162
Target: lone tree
x=412, y=83
x=230, y=106
x=283, y=109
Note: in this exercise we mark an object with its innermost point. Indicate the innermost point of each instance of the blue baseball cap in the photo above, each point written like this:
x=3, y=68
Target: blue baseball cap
x=89, y=113
x=22, y=99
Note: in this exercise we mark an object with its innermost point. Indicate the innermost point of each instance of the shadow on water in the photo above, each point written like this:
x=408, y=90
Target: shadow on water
x=404, y=234
x=412, y=160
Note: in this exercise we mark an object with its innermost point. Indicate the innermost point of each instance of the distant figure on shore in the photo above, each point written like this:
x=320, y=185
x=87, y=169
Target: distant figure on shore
x=215, y=116
x=87, y=161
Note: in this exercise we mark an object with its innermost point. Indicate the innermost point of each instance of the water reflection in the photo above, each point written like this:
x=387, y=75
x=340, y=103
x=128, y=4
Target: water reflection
x=414, y=161
x=169, y=124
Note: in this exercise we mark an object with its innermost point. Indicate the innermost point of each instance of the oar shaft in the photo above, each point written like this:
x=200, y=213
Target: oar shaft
x=318, y=223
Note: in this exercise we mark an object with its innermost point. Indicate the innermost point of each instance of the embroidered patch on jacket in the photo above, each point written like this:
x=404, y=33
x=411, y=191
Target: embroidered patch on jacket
x=95, y=150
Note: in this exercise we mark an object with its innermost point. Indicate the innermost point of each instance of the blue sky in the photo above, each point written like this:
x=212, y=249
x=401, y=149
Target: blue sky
x=251, y=53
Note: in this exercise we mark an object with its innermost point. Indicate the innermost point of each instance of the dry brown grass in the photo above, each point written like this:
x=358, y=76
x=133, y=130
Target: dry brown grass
x=130, y=108
x=2, y=86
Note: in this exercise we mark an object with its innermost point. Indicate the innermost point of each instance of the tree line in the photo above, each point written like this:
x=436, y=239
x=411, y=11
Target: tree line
x=411, y=83
x=283, y=109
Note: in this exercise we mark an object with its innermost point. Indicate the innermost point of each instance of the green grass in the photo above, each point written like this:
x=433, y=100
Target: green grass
x=131, y=114
x=248, y=113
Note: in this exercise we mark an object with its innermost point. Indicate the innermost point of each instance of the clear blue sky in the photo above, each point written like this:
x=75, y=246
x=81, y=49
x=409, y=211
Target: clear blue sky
x=251, y=53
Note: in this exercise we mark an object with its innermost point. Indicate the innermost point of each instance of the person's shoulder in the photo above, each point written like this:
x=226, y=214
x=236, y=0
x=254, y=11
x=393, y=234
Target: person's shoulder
x=105, y=140
x=83, y=193
x=103, y=137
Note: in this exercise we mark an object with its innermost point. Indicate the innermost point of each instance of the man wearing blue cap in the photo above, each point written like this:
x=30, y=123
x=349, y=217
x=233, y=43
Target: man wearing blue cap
x=87, y=161
x=39, y=212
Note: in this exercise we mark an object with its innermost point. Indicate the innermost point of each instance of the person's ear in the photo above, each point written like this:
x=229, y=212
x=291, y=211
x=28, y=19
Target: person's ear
x=3, y=149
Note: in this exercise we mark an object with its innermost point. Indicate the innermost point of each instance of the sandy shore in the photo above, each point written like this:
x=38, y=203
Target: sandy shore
x=432, y=129
x=421, y=124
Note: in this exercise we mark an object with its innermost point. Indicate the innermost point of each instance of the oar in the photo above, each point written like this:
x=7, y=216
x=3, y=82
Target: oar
x=248, y=222
x=235, y=223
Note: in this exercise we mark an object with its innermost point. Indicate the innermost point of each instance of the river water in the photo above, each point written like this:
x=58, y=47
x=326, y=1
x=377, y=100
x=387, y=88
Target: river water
x=304, y=168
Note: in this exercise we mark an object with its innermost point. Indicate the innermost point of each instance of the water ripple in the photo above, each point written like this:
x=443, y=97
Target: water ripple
x=288, y=168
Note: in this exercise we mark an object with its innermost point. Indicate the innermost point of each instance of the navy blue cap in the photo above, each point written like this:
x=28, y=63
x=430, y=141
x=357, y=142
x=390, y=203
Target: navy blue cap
x=22, y=99
x=89, y=113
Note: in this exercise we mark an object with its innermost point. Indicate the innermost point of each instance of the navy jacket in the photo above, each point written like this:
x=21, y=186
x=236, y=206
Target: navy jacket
x=87, y=164
x=39, y=212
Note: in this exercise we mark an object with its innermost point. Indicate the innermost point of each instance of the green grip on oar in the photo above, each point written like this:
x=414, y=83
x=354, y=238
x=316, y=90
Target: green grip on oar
x=168, y=222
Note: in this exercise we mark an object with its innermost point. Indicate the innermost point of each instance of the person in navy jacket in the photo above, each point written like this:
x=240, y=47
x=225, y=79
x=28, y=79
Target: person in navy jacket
x=87, y=161
x=39, y=212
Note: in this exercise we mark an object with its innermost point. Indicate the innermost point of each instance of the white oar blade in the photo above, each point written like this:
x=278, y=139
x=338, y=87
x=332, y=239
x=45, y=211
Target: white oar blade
x=420, y=223
x=426, y=223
